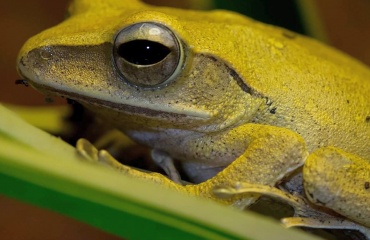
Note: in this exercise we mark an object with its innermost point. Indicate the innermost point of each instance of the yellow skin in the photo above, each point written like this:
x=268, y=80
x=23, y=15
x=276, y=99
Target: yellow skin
x=234, y=100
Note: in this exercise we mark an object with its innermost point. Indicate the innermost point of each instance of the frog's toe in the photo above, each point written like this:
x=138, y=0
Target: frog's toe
x=165, y=161
x=87, y=150
x=92, y=154
x=247, y=188
x=106, y=158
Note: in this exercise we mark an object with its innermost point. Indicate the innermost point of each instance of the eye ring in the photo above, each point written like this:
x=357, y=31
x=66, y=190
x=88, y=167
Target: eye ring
x=148, y=55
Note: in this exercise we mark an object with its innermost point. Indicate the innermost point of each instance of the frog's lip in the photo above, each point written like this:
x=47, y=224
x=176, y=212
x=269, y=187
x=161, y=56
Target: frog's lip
x=148, y=110
x=131, y=108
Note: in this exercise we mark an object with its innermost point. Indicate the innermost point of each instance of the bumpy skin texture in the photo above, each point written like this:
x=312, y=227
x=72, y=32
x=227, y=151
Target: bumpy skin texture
x=249, y=103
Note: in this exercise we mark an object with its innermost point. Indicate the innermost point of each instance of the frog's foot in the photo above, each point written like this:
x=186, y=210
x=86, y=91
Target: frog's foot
x=305, y=214
x=92, y=154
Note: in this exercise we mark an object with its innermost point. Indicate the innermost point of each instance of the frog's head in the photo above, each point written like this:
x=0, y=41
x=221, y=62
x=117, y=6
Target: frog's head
x=145, y=66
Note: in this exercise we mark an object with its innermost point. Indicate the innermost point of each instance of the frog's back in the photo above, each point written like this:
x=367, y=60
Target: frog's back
x=312, y=89
x=317, y=91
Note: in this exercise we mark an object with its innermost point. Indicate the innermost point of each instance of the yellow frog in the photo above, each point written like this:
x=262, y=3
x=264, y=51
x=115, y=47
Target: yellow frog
x=238, y=102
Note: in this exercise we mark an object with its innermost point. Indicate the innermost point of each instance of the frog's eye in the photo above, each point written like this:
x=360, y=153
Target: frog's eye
x=148, y=54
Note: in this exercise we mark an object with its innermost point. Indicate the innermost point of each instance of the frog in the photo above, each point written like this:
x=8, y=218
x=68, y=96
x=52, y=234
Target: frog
x=248, y=109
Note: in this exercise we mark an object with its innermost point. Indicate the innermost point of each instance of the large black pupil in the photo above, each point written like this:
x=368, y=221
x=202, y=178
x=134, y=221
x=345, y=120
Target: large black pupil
x=143, y=52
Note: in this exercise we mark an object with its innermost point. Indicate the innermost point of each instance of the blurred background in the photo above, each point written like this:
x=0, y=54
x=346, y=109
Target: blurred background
x=344, y=24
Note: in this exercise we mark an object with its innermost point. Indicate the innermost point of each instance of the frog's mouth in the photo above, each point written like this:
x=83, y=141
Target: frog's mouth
x=133, y=108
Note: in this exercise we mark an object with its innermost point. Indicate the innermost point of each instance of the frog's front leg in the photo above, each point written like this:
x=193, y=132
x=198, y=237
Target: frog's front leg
x=92, y=154
x=270, y=153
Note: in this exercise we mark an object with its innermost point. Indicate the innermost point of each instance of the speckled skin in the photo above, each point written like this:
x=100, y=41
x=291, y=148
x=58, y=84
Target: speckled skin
x=251, y=102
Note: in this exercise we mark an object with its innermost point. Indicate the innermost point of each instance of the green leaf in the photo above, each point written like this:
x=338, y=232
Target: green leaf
x=41, y=169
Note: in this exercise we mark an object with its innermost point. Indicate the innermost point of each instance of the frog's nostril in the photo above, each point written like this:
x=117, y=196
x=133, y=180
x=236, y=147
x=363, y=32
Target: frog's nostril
x=22, y=82
x=46, y=53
